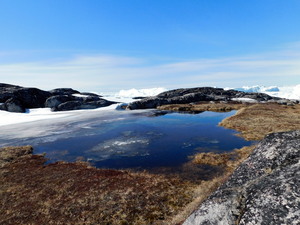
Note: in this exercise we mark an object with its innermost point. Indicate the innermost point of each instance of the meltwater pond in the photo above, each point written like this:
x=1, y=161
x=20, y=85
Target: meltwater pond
x=122, y=139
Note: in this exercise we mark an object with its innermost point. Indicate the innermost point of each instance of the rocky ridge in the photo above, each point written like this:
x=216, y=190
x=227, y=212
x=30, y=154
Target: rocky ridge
x=200, y=94
x=264, y=189
x=18, y=99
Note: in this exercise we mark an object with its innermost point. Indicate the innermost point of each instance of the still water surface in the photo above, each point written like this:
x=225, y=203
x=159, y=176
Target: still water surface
x=126, y=139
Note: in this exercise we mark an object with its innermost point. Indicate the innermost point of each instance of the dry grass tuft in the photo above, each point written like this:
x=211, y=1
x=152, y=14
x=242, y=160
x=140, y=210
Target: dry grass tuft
x=73, y=193
x=8, y=154
x=212, y=159
x=201, y=107
x=229, y=161
x=256, y=121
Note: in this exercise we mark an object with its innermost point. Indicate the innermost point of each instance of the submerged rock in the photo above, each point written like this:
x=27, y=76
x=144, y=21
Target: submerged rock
x=265, y=189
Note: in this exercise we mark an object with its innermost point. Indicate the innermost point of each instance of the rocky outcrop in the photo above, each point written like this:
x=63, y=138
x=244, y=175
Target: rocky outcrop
x=18, y=99
x=193, y=95
x=13, y=105
x=82, y=104
x=28, y=97
x=265, y=189
x=63, y=91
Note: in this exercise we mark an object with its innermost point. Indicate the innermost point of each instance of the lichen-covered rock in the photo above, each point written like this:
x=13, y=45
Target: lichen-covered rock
x=265, y=189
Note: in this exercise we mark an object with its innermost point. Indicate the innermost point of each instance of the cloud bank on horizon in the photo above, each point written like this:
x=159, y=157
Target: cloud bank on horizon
x=113, y=73
x=113, y=45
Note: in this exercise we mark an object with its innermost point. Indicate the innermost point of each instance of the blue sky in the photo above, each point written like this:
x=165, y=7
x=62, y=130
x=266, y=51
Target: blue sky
x=108, y=45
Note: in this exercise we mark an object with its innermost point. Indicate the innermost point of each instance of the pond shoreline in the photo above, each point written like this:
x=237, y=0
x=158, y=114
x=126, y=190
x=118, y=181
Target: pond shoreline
x=175, y=208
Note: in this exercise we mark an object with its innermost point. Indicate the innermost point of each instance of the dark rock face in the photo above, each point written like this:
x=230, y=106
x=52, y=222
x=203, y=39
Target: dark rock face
x=56, y=100
x=29, y=97
x=265, y=189
x=192, y=95
x=14, y=105
x=63, y=91
x=75, y=105
x=17, y=99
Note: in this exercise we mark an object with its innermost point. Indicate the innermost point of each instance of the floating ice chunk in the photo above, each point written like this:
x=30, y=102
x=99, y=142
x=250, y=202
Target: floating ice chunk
x=122, y=146
x=272, y=89
x=8, y=118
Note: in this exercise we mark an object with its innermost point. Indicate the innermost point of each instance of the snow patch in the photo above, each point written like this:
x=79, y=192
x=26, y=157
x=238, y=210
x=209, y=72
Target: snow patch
x=80, y=95
x=250, y=100
x=8, y=118
x=140, y=92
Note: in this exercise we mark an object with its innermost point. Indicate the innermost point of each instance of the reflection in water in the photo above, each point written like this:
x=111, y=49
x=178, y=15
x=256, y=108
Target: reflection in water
x=126, y=139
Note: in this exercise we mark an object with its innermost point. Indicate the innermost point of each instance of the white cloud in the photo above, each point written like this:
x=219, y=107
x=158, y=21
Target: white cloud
x=109, y=72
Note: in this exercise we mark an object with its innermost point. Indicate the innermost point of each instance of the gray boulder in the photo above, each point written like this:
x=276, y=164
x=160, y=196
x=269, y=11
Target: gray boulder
x=265, y=189
x=63, y=91
x=14, y=105
x=76, y=105
x=56, y=100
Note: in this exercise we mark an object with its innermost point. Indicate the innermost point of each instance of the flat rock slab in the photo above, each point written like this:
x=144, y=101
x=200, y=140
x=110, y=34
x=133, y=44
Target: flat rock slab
x=265, y=189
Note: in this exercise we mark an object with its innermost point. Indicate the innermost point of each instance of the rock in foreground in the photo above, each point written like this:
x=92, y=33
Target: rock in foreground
x=265, y=189
x=18, y=99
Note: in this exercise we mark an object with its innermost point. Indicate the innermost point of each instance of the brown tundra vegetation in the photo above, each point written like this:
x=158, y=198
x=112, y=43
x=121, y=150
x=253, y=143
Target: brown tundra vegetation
x=76, y=193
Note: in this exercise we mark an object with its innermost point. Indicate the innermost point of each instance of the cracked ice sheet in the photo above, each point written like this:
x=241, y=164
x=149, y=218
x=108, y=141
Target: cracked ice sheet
x=8, y=118
x=42, y=123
